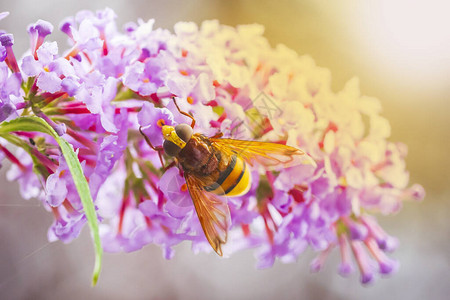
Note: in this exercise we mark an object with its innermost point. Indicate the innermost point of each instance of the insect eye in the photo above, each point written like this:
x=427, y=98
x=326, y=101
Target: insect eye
x=170, y=148
x=184, y=131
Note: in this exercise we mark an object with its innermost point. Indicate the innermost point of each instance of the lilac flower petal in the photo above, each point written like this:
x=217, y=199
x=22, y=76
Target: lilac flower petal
x=29, y=184
x=67, y=230
x=6, y=109
x=12, y=86
x=416, y=192
x=204, y=89
x=179, y=202
x=49, y=82
x=7, y=39
x=389, y=244
x=4, y=14
x=47, y=52
x=30, y=66
x=366, y=278
x=180, y=85
x=149, y=208
x=131, y=78
x=110, y=151
x=281, y=201
x=345, y=269
x=56, y=190
x=177, y=211
x=41, y=27
x=389, y=266
x=315, y=265
x=70, y=85
x=357, y=231
x=87, y=36
x=61, y=66
x=152, y=118
x=66, y=26
x=3, y=53
x=265, y=257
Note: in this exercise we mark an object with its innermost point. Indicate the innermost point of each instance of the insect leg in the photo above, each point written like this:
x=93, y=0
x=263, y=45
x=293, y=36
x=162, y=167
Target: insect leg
x=158, y=149
x=172, y=164
x=184, y=113
x=217, y=135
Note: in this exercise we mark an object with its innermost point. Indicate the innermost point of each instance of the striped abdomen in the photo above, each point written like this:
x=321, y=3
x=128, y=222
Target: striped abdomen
x=235, y=180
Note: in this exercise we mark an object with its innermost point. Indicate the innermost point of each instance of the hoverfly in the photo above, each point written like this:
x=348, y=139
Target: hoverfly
x=215, y=166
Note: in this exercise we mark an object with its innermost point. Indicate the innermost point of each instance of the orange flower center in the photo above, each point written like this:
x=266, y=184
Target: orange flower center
x=161, y=123
x=184, y=72
x=190, y=100
x=183, y=188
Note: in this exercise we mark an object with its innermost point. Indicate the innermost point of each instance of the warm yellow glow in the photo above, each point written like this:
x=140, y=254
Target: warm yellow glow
x=413, y=36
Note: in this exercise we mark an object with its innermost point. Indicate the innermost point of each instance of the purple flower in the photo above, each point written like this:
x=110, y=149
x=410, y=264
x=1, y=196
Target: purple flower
x=30, y=186
x=2, y=48
x=48, y=68
x=357, y=231
x=4, y=15
x=57, y=184
x=87, y=35
x=70, y=85
x=152, y=119
x=6, y=52
x=363, y=261
x=152, y=40
x=3, y=53
x=126, y=229
x=133, y=235
x=67, y=225
x=346, y=266
x=97, y=92
x=136, y=79
x=110, y=151
x=146, y=77
x=38, y=31
x=174, y=187
x=168, y=231
x=7, y=40
x=66, y=26
x=6, y=109
x=103, y=19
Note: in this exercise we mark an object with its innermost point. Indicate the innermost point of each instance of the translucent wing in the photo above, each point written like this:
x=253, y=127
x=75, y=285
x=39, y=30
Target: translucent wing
x=212, y=212
x=267, y=154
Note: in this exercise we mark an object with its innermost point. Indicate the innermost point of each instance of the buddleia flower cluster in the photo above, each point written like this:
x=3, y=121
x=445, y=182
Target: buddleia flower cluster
x=98, y=93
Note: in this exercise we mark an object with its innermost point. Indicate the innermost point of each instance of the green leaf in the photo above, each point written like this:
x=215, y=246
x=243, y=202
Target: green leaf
x=86, y=200
x=27, y=124
x=38, y=124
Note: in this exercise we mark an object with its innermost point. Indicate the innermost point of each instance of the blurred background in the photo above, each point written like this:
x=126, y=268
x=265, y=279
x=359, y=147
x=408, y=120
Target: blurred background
x=400, y=50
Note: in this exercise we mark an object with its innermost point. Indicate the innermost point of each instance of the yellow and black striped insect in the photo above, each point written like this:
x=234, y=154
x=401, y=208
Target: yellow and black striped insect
x=219, y=166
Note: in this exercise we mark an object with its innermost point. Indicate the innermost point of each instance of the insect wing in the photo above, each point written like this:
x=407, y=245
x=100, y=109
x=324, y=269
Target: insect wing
x=268, y=154
x=212, y=212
